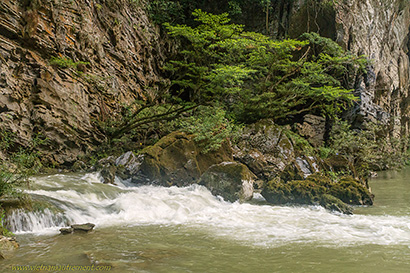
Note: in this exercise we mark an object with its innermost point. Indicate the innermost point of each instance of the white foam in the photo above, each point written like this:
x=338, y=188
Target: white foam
x=195, y=207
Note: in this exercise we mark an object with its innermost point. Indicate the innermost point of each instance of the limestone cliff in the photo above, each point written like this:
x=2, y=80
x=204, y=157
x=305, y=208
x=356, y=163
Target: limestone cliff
x=378, y=29
x=120, y=51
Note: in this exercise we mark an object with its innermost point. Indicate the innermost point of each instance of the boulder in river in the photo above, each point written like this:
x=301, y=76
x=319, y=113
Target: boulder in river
x=231, y=180
x=77, y=228
x=318, y=189
x=176, y=159
x=65, y=231
x=83, y=227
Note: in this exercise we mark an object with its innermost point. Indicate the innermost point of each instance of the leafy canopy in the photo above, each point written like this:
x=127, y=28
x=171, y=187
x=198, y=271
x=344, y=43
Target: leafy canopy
x=256, y=77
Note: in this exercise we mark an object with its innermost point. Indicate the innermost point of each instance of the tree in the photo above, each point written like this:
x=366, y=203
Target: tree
x=256, y=77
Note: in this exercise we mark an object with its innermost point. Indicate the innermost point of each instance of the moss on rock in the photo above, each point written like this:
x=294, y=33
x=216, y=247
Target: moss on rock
x=177, y=160
x=318, y=189
x=233, y=181
x=351, y=191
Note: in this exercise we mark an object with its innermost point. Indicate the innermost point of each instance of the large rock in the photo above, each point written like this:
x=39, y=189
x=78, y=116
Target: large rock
x=264, y=149
x=231, y=180
x=174, y=160
x=268, y=152
x=352, y=192
x=317, y=189
x=83, y=227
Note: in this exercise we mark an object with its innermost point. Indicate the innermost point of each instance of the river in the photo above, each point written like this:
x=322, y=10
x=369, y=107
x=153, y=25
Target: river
x=155, y=229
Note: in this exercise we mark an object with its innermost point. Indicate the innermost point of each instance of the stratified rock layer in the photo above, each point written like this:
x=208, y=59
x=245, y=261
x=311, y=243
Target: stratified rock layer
x=120, y=50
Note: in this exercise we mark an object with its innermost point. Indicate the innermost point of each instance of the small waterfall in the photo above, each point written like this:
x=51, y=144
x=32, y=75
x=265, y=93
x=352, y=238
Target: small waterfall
x=21, y=220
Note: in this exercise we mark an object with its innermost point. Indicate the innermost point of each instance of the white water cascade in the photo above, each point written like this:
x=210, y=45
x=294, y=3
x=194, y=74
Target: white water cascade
x=82, y=198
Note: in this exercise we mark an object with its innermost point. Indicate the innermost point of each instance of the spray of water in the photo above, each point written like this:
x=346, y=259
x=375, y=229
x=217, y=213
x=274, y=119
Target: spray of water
x=82, y=199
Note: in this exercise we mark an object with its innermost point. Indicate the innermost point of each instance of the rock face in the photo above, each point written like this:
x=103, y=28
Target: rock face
x=233, y=181
x=379, y=30
x=313, y=129
x=374, y=28
x=120, y=50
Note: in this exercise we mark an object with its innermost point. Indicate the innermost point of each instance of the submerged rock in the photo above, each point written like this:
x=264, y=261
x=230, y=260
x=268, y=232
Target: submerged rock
x=233, y=181
x=7, y=246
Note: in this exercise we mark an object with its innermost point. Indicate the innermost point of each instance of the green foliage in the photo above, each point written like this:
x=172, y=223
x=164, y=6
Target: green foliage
x=137, y=125
x=368, y=149
x=3, y=230
x=256, y=77
x=21, y=164
x=141, y=124
x=64, y=62
x=162, y=11
x=210, y=126
x=299, y=143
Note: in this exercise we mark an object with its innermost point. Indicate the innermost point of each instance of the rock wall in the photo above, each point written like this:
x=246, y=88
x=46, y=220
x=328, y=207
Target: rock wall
x=378, y=29
x=121, y=51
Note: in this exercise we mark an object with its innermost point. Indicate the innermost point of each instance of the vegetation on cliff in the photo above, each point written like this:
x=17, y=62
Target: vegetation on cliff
x=220, y=77
x=21, y=163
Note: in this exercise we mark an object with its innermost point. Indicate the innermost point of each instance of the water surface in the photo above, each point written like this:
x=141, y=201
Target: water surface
x=154, y=229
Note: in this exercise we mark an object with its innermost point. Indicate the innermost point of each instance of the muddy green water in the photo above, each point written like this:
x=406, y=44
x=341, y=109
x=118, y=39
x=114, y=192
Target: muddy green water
x=152, y=229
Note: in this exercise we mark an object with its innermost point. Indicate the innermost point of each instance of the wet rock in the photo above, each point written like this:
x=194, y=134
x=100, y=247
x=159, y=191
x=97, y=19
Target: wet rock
x=352, y=192
x=65, y=231
x=318, y=189
x=7, y=246
x=128, y=164
x=334, y=204
x=176, y=160
x=108, y=169
x=108, y=174
x=233, y=181
x=83, y=227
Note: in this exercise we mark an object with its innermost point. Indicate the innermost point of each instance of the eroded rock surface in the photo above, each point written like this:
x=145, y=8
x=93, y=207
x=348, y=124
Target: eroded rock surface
x=121, y=51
